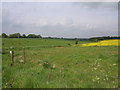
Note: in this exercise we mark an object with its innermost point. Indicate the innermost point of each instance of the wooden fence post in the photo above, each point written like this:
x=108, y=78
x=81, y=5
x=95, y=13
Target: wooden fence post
x=12, y=57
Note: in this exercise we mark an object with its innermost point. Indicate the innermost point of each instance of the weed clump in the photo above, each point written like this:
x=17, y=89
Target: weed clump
x=76, y=42
x=46, y=64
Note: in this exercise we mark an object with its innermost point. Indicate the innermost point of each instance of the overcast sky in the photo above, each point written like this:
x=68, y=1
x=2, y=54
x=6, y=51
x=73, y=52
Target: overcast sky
x=73, y=20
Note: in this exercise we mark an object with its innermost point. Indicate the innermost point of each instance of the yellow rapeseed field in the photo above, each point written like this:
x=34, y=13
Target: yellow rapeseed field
x=113, y=42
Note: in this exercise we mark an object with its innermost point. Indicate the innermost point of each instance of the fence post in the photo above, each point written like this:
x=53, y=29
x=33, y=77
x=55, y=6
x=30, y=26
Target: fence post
x=24, y=54
x=12, y=57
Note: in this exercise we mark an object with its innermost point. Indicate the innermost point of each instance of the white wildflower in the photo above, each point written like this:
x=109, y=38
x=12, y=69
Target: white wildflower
x=93, y=80
x=95, y=68
x=98, y=78
x=114, y=64
x=98, y=65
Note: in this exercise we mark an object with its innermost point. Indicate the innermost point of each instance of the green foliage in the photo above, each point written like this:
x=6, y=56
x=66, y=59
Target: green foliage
x=33, y=36
x=69, y=44
x=96, y=39
x=76, y=42
x=46, y=64
x=4, y=35
x=24, y=36
x=16, y=35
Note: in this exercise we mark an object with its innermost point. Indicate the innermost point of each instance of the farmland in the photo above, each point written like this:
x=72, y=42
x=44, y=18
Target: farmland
x=75, y=67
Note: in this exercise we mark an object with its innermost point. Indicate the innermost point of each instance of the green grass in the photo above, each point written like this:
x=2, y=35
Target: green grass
x=76, y=67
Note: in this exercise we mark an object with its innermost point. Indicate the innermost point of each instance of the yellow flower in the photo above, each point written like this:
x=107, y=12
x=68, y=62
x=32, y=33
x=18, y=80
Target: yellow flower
x=113, y=42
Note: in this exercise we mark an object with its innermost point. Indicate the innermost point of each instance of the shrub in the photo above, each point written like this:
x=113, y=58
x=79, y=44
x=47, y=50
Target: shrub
x=76, y=42
x=69, y=44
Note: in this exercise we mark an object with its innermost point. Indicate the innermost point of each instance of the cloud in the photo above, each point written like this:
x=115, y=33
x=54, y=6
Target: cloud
x=60, y=19
x=98, y=5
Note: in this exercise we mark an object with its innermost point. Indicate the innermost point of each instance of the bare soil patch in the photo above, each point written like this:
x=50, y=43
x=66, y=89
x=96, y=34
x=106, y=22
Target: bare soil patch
x=59, y=47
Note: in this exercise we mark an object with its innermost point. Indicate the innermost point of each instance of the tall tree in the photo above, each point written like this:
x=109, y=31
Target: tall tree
x=16, y=35
x=23, y=36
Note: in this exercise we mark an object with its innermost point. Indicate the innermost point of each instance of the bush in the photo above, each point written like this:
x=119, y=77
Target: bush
x=76, y=42
x=69, y=44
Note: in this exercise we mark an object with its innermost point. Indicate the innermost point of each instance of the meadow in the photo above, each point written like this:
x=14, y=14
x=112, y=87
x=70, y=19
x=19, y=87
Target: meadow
x=54, y=63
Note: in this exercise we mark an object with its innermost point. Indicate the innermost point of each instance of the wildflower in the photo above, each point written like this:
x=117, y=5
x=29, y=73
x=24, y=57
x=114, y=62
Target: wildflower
x=114, y=64
x=10, y=52
x=98, y=65
x=74, y=85
x=98, y=78
x=60, y=71
x=21, y=61
x=66, y=85
x=106, y=75
x=47, y=82
x=106, y=78
x=40, y=64
x=20, y=56
x=54, y=66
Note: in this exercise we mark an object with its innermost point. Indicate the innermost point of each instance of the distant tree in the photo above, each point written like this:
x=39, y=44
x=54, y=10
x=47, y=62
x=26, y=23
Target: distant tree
x=30, y=36
x=61, y=37
x=16, y=35
x=4, y=35
x=49, y=37
x=23, y=36
x=39, y=36
x=33, y=36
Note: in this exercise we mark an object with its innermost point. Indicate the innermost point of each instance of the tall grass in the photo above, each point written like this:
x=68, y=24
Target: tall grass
x=76, y=67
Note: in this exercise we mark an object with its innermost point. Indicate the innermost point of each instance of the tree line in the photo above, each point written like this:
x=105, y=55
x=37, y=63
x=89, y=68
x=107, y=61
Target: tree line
x=103, y=38
x=18, y=35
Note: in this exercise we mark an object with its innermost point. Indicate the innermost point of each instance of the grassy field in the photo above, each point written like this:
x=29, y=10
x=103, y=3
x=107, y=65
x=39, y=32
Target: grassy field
x=75, y=67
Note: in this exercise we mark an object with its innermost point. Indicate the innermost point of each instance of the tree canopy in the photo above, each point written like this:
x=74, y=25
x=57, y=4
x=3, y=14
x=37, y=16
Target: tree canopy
x=4, y=35
x=16, y=35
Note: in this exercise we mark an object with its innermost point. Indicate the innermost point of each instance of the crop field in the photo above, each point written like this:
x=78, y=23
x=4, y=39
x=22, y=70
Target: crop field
x=54, y=63
x=103, y=43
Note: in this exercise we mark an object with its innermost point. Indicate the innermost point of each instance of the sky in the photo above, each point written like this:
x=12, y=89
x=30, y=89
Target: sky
x=61, y=19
